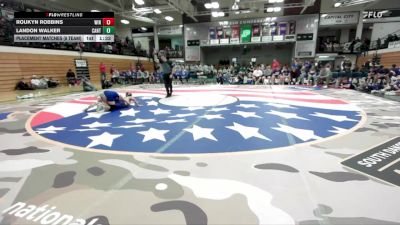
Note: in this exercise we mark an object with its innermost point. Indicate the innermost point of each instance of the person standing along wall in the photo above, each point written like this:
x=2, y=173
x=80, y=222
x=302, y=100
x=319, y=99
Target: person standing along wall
x=103, y=76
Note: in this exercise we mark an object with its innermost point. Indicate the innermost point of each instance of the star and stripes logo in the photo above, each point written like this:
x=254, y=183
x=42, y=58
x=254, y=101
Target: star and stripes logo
x=257, y=119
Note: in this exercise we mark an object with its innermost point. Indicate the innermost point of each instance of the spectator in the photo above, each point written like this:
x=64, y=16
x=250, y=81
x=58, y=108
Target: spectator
x=276, y=65
x=325, y=75
x=71, y=79
x=38, y=83
x=51, y=83
x=267, y=75
x=284, y=76
x=22, y=85
x=258, y=75
x=220, y=77
x=114, y=75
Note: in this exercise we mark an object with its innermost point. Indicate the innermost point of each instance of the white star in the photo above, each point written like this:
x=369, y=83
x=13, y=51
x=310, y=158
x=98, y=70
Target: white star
x=152, y=103
x=147, y=97
x=217, y=109
x=247, y=106
x=338, y=130
x=302, y=134
x=246, y=114
x=210, y=117
x=103, y=139
x=183, y=115
x=200, y=132
x=96, y=115
x=286, y=115
x=129, y=112
x=49, y=130
x=96, y=124
x=82, y=130
x=193, y=108
x=152, y=133
x=159, y=111
x=130, y=126
x=139, y=120
x=174, y=121
x=332, y=117
x=247, y=132
x=278, y=105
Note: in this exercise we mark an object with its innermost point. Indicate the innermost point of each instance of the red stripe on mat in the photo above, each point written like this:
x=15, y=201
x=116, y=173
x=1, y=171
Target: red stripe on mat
x=323, y=101
x=44, y=117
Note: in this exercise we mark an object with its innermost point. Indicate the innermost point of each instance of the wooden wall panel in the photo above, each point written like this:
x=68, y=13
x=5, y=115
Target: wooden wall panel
x=387, y=59
x=15, y=66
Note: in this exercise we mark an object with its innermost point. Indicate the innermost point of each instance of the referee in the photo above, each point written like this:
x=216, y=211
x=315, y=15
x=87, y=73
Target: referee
x=166, y=68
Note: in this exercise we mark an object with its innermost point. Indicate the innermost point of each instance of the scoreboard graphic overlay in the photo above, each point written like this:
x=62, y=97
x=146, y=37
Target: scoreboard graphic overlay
x=199, y=120
x=64, y=27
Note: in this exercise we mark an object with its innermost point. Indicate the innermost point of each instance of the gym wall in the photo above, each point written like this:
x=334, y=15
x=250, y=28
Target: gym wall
x=18, y=62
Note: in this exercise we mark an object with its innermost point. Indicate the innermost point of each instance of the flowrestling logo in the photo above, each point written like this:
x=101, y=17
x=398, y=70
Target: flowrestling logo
x=44, y=215
x=199, y=120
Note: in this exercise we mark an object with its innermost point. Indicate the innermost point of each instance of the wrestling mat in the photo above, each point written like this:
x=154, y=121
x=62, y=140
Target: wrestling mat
x=206, y=155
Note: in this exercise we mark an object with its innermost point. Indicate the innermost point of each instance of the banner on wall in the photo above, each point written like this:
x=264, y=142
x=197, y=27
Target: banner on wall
x=170, y=30
x=256, y=30
x=235, y=31
x=228, y=32
x=273, y=29
x=220, y=33
x=283, y=28
x=245, y=33
x=339, y=18
x=292, y=28
x=212, y=33
x=256, y=33
x=266, y=31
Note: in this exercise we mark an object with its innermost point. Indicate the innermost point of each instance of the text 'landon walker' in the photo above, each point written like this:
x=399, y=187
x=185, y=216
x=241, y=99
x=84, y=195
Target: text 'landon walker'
x=45, y=215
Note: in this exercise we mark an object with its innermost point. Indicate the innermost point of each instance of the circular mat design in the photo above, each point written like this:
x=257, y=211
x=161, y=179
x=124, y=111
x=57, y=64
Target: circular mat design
x=199, y=120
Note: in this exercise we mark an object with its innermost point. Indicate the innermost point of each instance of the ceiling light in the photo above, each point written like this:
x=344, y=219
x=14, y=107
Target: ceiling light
x=278, y=1
x=277, y=9
x=272, y=1
x=181, y=25
x=268, y=19
x=237, y=1
x=215, y=5
x=337, y=4
x=214, y=14
x=157, y=11
x=94, y=10
x=139, y=2
x=273, y=18
x=208, y=5
x=323, y=15
x=235, y=7
x=237, y=12
x=143, y=28
x=221, y=14
x=125, y=21
x=169, y=18
x=270, y=9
